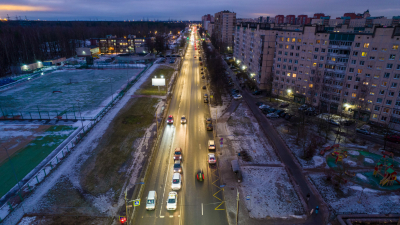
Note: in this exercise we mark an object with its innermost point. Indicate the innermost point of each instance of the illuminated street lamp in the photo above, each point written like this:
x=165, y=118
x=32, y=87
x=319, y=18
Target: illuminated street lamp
x=289, y=91
x=346, y=105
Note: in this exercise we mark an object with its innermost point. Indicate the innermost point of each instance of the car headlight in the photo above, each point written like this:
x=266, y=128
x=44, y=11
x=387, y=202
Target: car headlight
x=180, y=157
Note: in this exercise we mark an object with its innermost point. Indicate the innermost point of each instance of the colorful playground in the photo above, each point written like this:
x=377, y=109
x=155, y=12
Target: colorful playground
x=367, y=169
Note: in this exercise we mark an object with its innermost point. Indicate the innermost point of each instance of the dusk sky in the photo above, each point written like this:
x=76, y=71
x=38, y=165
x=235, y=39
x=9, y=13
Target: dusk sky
x=186, y=9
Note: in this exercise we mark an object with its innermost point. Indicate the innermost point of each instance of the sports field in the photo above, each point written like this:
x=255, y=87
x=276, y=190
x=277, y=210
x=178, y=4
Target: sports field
x=27, y=146
x=62, y=91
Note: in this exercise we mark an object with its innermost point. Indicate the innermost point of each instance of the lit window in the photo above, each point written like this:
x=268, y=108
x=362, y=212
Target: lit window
x=370, y=101
x=293, y=39
x=314, y=64
x=318, y=41
x=294, y=75
x=287, y=46
x=288, y=74
x=288, y=39
x=395, y=47
x=359, y=71
x=372, y=93
x=366, y=45
x=365, y=83
x=373, y=85
x=384, y=83
x=298, y=40
x=281, y=39
x=363, y=54
x=374, y=116
x=310, y=85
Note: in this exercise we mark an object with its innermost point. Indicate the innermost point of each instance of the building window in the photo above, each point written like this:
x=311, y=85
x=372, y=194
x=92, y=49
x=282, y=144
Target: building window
x=371, y=93
x=299, y=40
x=353, y=95
x=349, y=78
x=382, y=92
x=383, y=118
x=321, y=58
x=310, y=85
x=391, y=93
x=378, y=100
x=371, y=57
x=353, y=62
x=386, y=75
x=374, y=116
x=366, y=45
x=357, y=45
x=363, y=54
x=293, y=39
x=389, y=66
x=316, y=49
x=384, y=49
x=396, y=76
x=388, y=102
x=395, y=47
x=392, y=56
x=322, y=50
x=351, y=70
x=355, y=53
x=362, y=63
x=398, y=67
x=393, y=85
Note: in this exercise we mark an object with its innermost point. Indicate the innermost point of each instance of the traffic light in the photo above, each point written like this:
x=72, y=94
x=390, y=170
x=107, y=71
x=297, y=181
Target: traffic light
x=122, y=219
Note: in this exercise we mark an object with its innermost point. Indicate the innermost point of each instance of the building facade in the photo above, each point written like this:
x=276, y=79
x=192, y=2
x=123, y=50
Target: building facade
x=111, y=44
x=254, y=51
x=279, y=19
x=357, y=74
x=224, y=27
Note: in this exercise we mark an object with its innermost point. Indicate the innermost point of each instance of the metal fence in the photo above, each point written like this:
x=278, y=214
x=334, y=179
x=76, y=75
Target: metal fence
x=37, y=178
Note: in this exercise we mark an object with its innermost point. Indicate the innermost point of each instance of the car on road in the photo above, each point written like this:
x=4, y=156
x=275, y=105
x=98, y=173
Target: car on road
x=211, y=158
x=393, y=138
x=210, y=127
x=208, y=120
x=256, y=93
x=201, y=68
x=363, y=131
x=178, y=154
x=203, y=77
x=205, y=95
x=200, y=175
x=204, y=87
x=272, y=115
x=202, y=72
x=205, y=100
x=170, y=119
x=151, y=200
x=183, y=119
x=172, y=201
x=177, y=166
x=211, y=145
x=176, y=182
x=194, y=56
x=238, y=96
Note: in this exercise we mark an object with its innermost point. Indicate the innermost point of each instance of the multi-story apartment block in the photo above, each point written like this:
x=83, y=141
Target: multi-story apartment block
x=302, y=19
x=279, y=19
x=206, y=19
x=224, y=25
x=291, y=19
x=353, y=73
x=112, y=44
x=254, y=51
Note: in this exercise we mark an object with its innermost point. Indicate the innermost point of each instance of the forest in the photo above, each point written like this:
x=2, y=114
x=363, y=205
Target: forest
x=24, y=42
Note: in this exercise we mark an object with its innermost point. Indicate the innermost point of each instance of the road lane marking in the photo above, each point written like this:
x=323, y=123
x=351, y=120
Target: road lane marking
x=161, y=216
x=171, y=216
x=201, y=208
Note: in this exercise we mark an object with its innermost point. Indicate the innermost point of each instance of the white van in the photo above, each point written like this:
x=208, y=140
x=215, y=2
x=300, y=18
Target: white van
x=211, y=145
x=151, y=200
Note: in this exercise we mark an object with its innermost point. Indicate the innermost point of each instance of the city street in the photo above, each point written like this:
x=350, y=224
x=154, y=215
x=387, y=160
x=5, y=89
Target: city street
x=198, y=202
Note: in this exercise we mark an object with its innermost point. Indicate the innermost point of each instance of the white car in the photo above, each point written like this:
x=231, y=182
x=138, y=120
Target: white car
x=211, y=158
x=183, y=119
x=238, y=96
x=172, y=201
x=176, y=181
x=272, y=115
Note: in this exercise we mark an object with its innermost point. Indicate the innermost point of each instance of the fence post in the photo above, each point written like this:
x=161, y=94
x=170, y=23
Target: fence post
x=63, y=152
x=57, y=159
x=51, y=166
x=37, y=179
x=30, y=114
x=22, y=117
x=67, y=149
x=29, y=187
x=44, y=170
x=9, y=205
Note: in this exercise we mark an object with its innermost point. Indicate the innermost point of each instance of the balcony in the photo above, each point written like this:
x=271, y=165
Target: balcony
x=340, y=47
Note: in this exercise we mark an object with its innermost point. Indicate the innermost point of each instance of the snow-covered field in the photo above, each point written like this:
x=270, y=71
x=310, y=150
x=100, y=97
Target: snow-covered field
x=351, y=198
x=69, y=169
x=270, y=192
x=61, y=90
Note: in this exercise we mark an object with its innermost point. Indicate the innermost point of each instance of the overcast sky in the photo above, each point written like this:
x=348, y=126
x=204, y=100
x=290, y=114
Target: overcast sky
x=186, y=9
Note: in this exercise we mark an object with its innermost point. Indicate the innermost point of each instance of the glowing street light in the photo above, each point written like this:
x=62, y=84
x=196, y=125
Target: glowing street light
x=289, y=91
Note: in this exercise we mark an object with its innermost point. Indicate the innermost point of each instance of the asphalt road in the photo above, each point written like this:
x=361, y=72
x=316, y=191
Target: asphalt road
x=197, y=201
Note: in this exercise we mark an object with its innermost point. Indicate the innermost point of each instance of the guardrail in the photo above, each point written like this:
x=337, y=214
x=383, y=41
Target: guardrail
x=44, y=171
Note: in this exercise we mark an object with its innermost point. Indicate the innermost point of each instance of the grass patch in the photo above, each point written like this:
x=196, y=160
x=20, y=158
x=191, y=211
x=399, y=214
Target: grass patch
x=107, y=168
x=148, y=89
x=28, y=158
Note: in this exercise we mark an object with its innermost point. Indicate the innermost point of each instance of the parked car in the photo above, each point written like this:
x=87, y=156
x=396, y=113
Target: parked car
x=266, y=111
x=257, y=93
x=259, y=104
x=272, y=115
x=393, y=138
x=208, y=120
x=204, y=87
x=363, y=131
x=238, y=96
x=205, y=100
x=284, y=104
x=288, y=116
x=348, y=122
x=203, y=77
x=303, y=107
x=272, y=109
x=333, y=122
x=283, y=114
x=210, y=127
x=264, y=106
x=211, y=158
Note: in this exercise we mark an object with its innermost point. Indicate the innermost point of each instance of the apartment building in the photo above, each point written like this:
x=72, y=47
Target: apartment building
x=224, y=27
x=254, y=51
x=112, y=44
x=357, y=74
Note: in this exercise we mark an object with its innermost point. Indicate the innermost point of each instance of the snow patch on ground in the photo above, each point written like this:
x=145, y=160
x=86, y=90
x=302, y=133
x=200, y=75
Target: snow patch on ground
x=27, y=220
x=362, y=177
x=368, y=160
x=349, y=162
x=352, y=152
x=318, y=161
x=73, y=163
x=271, y=193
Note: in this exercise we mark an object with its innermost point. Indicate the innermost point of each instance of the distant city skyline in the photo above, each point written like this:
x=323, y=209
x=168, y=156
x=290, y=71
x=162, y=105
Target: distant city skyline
x=185, y=10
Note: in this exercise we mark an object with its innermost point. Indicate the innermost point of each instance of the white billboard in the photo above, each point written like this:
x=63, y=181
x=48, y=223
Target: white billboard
x=158, y=81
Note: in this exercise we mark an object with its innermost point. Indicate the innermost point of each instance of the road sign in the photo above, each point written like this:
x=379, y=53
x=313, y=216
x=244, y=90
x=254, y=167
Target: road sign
x=221, y=139
x=136, y=202
x=211, y=96
x=222, y=185
x=248, y=197
x=221, y=145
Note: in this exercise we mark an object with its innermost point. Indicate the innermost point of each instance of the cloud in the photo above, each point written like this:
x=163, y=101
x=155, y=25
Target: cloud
x=24, y=8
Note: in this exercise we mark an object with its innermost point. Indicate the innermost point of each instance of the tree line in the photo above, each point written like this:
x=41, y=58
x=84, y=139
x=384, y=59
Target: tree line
x=25, y=42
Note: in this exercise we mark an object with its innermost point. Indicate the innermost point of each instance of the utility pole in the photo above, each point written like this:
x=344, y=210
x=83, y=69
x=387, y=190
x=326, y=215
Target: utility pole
x=126, y=208
x=237, y=208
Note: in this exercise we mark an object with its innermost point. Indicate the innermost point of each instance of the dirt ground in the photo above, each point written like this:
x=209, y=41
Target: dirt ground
x=18, y=142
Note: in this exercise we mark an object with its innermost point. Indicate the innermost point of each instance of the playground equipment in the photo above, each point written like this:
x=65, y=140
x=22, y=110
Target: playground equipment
x=327, y=148
x=385, y=169
x=340, y=154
